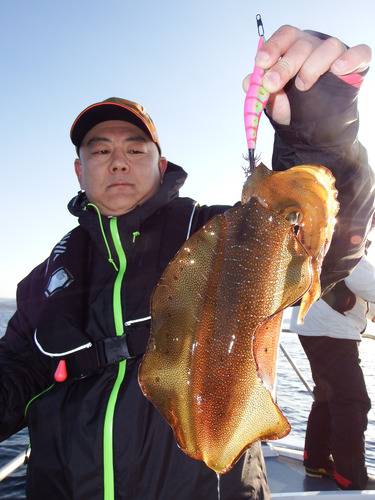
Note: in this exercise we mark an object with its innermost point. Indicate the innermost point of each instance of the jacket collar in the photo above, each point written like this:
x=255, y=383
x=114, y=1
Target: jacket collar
x=173, y=179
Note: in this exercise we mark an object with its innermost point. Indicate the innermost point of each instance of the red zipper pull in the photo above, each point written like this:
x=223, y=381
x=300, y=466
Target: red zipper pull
x=61, y=373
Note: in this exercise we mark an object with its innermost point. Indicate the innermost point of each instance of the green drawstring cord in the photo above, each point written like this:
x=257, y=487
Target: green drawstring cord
x=37, y=396
x=110, y=259
x=135, y=235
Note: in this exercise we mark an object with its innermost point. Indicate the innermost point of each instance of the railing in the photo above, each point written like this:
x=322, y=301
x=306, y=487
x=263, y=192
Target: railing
x=300, y=376
x=14, y=464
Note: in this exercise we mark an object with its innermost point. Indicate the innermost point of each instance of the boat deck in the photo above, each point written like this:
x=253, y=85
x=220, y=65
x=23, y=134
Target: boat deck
x=287, y=479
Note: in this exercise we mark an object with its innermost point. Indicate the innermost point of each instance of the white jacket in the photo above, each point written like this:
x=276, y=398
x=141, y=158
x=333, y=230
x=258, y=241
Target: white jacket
x=322, y=320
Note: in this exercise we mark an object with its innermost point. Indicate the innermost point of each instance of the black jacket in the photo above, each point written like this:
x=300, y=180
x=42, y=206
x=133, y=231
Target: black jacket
x=66, y=303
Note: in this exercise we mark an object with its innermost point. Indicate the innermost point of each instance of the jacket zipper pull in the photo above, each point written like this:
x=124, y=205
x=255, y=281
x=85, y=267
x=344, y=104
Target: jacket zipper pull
x=135, y=235
x=61, y=373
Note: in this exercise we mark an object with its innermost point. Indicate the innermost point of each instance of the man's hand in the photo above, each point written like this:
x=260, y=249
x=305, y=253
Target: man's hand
x=290, y=53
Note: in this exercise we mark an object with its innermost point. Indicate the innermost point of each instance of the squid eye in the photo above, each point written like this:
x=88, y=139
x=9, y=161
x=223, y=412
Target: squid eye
x=293, y=218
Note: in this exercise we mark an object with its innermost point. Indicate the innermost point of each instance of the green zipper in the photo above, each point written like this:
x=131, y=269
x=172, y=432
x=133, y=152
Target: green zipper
x=109, y=474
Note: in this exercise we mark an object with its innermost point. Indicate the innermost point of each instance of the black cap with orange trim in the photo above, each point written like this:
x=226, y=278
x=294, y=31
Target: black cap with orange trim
x=113, y=108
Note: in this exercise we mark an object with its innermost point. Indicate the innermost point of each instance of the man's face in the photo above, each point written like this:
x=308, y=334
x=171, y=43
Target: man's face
x=119, y=167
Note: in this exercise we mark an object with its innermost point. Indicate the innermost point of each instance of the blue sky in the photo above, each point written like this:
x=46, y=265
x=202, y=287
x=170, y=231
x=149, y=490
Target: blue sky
x=183, y=60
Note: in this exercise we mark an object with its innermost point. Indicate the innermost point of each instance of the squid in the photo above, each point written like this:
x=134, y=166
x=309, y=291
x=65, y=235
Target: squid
x=216, y=313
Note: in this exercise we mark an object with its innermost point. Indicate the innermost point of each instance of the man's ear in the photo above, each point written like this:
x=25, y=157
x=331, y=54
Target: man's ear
x=163, y=163
x=78, y=170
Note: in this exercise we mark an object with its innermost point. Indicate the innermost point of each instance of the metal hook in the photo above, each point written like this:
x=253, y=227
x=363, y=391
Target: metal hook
x=260, y=25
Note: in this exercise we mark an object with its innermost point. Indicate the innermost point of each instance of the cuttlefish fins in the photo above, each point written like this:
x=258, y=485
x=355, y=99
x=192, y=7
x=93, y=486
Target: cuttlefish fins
x=266, y=344
x=214, y=299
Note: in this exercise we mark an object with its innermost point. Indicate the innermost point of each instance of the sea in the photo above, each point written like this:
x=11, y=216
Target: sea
x=292, y=397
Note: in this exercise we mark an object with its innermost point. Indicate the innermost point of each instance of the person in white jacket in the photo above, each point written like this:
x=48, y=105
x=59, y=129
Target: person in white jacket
x=334, y=442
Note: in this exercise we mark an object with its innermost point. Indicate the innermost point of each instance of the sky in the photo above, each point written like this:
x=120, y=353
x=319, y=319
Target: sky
x=184, y=61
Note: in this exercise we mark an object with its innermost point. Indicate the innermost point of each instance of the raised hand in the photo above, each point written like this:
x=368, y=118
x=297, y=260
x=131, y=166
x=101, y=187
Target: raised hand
x=290, y=53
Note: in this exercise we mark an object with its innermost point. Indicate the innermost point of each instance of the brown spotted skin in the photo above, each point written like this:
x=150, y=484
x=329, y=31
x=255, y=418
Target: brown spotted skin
x=216, y=315
x=310, y=191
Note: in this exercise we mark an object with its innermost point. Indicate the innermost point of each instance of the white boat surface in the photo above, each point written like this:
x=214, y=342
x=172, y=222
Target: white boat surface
x=287, y=479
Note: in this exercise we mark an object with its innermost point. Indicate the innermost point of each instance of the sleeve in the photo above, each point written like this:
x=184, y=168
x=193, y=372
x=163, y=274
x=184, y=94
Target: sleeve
x=23, y=371
x=323, y=130
x=371, y=312
x=362, y=280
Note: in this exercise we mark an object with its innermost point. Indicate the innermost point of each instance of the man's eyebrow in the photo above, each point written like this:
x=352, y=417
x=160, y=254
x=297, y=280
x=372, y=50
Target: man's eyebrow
x=136, y=138
x=96, y=139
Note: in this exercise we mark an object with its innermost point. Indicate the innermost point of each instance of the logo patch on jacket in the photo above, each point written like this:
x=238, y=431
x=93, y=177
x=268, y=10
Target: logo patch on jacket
x=60, y=248
x=59, y=279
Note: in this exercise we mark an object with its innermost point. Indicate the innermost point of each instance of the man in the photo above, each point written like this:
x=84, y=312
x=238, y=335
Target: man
x=338, y=416
x=83, y=315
